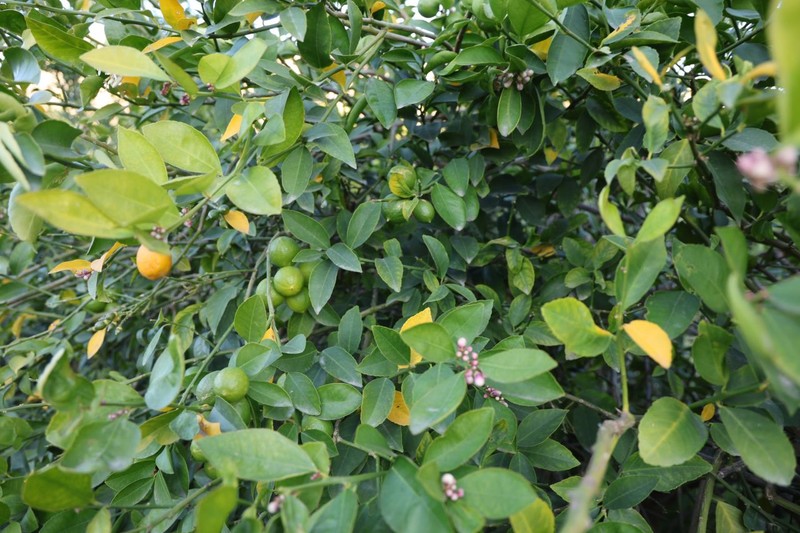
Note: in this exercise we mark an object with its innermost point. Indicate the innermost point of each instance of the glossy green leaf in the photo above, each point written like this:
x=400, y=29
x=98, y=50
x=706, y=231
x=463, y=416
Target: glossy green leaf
x=704, y=272
x=332, y=140
x=670, y=434
x=628, y=491
x=409, y=92
x=462, y=439
x=566, y=54
x=306, y=229
x=182, y=146
x=321, y=284
x=250, y=320
x=512, y=366
x=404, y=504
x=572, y=323
x=637, y=271
x=431, y=341
x=509, y=111
x=390, y=270
x=71, y=212
x=376, y=401
x=52, y=489
x=123, y=61
x=255, y=191
x=338, y=400
x=343, y=257
x=437, y=393
x=102, y=446
x=496, y=493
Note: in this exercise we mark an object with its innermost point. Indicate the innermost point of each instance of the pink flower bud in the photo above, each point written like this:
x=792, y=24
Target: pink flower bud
x=786, y=159
x=462, y=342
x=758, y=168
x=480, y=381
x=448, y=479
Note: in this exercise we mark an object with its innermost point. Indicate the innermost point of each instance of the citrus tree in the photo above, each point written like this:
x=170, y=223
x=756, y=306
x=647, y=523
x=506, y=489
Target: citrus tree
x=374, y=266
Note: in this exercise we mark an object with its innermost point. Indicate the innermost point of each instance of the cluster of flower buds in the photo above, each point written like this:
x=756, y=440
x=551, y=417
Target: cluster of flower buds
x=158, y=233
x=473, y=375
x=84, y=273
x=450, y=489
x=210, y=87
x=762, y=169
x=275, y=505
x=166, y=88
x=117, y=414
x=518, y=79
x=496, y=394
x=185, y=99
x=188, y=221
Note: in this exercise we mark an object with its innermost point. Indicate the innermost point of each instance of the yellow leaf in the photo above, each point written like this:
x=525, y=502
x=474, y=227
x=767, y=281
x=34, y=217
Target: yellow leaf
x=708, y=412
x=73, y=266
x=130, y=80
x=97, y=264
x=269, y=335
x=95, y=342
x=652, y=339
x=377, y=6
x=542, y=48
x=338, y=76
x=622, y=27
x=768, y=69
x=238, y=221
x=543, y=250
x=493, y=142
x=161, y=43
x=252, y=17
x=422, y=317
x=16, y=327
x=53, y=325
x=175, y=15
x=85, y=5
x=550, y=154
x=646, y=65
x=210, y=429
x=233, y=127
x=399, y=413
x=535, y=518
x=706, y=35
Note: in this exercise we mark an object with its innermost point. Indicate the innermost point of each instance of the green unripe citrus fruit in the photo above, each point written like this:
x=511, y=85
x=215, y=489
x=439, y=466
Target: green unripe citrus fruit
x=197, y=453
x=243, y=408
x=288, y=281
x=402, y=181
x=308, y=268
x=205, y=387
x=393, y=211
x=276, y=297
x=282, y=250
x=231, y=384
x=428, y=8
x=424, y=212
x=300, y=302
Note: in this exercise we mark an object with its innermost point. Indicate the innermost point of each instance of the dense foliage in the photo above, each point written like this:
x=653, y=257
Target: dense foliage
x=461, y=265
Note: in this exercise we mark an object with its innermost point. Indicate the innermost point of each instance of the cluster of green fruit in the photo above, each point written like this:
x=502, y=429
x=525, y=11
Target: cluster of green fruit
x=404, y=201
x=289, y=282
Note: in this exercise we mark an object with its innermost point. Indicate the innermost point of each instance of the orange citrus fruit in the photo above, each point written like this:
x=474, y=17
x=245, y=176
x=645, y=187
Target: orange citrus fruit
x=152, y=265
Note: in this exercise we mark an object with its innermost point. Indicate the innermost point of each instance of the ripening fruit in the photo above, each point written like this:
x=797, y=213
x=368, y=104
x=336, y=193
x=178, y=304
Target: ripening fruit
x=231, y=384
x=288, y=281
x=402, y=181
x=428, y=8
x=282, y=251
x=300, y=302
x=424, y=212
x=152, y=265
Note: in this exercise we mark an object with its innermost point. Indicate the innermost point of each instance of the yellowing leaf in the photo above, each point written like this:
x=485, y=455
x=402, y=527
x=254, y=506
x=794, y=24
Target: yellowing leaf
x=338, y=76
x=706, y=35
x=377, y=6
x=73, y=266
x=422, y=317
x=85, y=5
x=269, y=335
x=542, y=48
x=175, y=15
x=493, y=142
x=209, y=429
x=652, y=339
x=233, y=127
x=543, y=250
x=622, y=27
x=768, y=69
x=550, y=154
x=97, y=264
x=399, y=413
x=252, y=17
x=16, y=327
x=95, y=342
x=53, y=325
x=708, y=412
x=238, y=221
x=161, y=43
x=646, y=65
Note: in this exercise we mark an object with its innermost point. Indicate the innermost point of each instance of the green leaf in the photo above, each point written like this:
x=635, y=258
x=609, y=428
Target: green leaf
x=71, y=212
x=251, y=321
x=410, y=91
x=764, y=447
x=674, y=311
x=341, y=365
x=566, y=54
x=461, y=440
x=535, y=518
x=376, y=401
x=390, y=270
x=405, y=505
x=257, y=455
x=321, y=284
x=316, y=46
x=610, y=213
x=728, y=518
x=638, y=270
x=241, y=63
x=139, y=155
x=538, y=426
x=306, y=229
x=362, y=224
x=525, y=17
x=127, y=198
x=467, y=321
x=708, y=353
x=449, y=206
x=182, y=146
x=23, y=221
x=380, y=98
x=512, y=366
x=123, y=61
x=293, y=118
x=669, y=478
x=782, y=34
x=660, y=220
x=166, y=377
x=509, y=111
x=680, y=157
x=728, y=182
x=439, y=254
x=704, y=272
x=571, y=322
x=103, y=446
x=52, y=489
x=332, y=140
x=338, y=400
x=391, y=345
x=552, y=456
x=343, y=257
x=670, y=434
x=55, y=42
x=478, y=55
x=303, y=393
x=456, y=175
x=655, y=113
x=293, y=20
x=628, y=491
x=256, y=191
x=437, y=393
x=337, y=515
x=296, y=172
x=496, y=493
x=350, y=330
x=212, y=511
x=431, y=341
